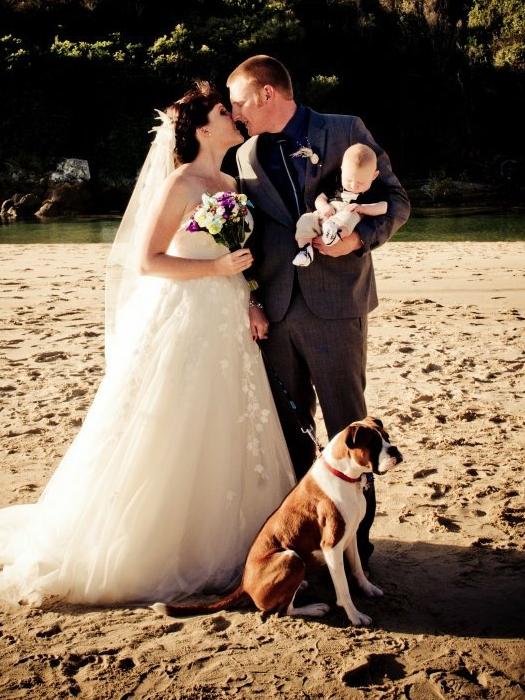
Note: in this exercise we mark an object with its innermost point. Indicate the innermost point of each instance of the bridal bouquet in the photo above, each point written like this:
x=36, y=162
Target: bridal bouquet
x=223, y=216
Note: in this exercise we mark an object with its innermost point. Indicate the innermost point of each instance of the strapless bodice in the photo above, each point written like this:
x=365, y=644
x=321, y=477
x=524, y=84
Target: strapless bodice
x=199, y=245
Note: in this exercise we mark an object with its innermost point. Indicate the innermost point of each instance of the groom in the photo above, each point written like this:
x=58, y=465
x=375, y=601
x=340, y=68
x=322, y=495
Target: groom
x=318, y=314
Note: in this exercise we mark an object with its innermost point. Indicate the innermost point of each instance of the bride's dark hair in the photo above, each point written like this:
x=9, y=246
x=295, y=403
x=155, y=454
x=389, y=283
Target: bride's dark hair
x=188, y=114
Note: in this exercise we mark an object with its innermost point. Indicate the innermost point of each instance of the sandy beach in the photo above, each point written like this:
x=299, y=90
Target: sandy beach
x=446, y=365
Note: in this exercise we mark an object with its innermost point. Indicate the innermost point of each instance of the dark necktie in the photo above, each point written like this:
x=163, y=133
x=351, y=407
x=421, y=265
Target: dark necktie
x=291, y=177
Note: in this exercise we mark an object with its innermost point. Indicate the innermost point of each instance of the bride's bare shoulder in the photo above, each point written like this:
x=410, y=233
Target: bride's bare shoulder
x=231, y=182
x=181, y=181
x=181, y=191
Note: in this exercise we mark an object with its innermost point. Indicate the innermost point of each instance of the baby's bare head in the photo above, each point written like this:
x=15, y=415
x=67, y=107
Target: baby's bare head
x=359, y=168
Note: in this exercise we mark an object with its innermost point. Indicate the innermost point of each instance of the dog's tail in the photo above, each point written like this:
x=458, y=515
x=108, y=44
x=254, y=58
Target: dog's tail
x=227, y=602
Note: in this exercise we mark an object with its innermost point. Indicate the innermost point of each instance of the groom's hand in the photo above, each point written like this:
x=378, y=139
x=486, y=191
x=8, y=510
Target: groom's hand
x=348, y=244
x=259, y=324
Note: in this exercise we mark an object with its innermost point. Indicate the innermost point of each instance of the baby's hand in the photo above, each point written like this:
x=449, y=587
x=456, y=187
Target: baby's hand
x=353, y=206
x=325, y=211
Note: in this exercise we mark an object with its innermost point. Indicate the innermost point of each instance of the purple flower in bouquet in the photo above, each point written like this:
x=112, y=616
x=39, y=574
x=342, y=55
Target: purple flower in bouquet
x=193, y=226
x=223, y=216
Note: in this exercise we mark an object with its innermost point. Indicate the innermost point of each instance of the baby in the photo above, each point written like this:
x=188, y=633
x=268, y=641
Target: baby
x=336, y=218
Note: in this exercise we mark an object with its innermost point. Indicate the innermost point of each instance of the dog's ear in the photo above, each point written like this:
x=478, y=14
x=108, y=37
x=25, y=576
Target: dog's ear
x=377, y=421
x=352, y=435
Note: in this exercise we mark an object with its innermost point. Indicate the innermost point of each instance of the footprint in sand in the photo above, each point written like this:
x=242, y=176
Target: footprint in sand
x=51, y=356
x=422, y=689
x=126, y=663
x=72, y=664
x=76, y=393
x=487, y=491
x=373, y=670
x=49, y=631
x=461, y=684
x=449, y=524
x=439, y=490
x=219, y=624
x=170, y=629
x=513, y=516
x=17, y=433
x=10, y=343
x=497, y=419
x=403, y=516
x=423, y=397
x=7, y=388
x=29, y=487
x=423, y=473
x=470, y=414
x=431, y=367
x=482, y=542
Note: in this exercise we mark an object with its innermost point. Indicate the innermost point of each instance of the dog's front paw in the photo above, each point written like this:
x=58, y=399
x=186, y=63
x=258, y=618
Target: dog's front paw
x=358, y=618
x=318, y=609
x=370, y=590
x=313, y=610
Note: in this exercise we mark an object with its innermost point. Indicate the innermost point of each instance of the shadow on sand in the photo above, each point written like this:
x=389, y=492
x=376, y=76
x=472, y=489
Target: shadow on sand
x=431, y=589
x=438, y=589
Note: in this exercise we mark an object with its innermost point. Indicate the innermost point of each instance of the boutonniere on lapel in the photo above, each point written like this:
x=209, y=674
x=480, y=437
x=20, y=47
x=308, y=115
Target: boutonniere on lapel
x=307, y=152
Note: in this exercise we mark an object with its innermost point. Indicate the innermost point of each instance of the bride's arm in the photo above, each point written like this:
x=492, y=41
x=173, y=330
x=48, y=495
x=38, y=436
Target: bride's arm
x=166, y=217
x=259, y=323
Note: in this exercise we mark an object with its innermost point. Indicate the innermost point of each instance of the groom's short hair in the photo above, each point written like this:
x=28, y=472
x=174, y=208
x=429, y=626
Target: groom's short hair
x=264, y=70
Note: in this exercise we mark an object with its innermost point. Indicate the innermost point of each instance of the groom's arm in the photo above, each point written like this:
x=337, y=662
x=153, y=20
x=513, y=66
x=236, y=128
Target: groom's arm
x=374, y=231
x=254, y=240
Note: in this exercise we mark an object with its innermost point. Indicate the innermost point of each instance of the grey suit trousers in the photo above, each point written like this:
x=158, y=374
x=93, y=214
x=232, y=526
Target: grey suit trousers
x=303, y=349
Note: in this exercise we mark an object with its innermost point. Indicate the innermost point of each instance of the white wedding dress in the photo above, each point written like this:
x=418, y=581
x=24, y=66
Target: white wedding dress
x=180, y=459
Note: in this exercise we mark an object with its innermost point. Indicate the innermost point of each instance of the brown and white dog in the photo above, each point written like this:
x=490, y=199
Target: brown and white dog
x=323, y=512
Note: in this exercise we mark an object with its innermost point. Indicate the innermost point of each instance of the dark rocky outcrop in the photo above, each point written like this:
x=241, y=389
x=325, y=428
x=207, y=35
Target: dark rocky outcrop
x=20, y=206
x=67, y=199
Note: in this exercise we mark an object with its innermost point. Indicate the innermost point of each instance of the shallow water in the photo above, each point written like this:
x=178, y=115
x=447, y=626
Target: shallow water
x=424, y=225
x=464, y=225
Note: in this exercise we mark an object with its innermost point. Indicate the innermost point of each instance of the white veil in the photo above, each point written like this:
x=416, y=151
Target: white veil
x=122, y=267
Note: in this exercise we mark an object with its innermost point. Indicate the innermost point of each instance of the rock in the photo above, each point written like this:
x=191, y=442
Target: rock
x=71, y=170
x=7, y=206
x=20, y=206
x=66, y=199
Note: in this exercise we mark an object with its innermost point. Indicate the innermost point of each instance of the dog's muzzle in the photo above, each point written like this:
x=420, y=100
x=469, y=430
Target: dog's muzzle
x=393, y=458
x=395, y=454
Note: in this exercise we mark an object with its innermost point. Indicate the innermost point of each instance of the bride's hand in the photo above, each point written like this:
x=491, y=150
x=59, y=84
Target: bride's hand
x=233, y=263
x=258, y=323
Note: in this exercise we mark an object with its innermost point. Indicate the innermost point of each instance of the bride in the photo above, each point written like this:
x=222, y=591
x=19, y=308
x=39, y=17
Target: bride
x=181, y=456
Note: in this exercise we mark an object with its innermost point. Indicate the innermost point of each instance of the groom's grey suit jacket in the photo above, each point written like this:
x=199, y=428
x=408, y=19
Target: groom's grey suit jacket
x=333, y=288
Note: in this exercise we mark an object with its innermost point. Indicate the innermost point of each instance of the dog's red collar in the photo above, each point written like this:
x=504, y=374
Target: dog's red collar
x=342, y=476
